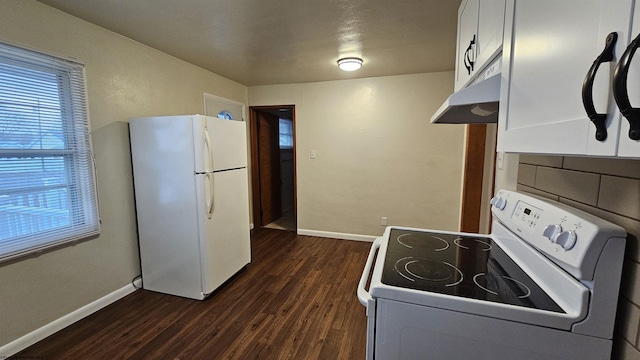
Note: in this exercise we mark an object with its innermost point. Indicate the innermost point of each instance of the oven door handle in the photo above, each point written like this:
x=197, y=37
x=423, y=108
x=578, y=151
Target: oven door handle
x=363, y=294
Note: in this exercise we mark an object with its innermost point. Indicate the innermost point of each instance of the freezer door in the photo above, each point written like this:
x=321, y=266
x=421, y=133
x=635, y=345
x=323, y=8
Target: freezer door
x=229, y=143
x=219, y=144
x=224, y=237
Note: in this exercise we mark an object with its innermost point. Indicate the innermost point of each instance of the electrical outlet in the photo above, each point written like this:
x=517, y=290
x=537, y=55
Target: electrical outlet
x=383, y=221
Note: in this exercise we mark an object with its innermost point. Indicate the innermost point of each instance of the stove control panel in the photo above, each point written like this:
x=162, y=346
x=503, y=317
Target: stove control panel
x=527, y=215
x=568, y=236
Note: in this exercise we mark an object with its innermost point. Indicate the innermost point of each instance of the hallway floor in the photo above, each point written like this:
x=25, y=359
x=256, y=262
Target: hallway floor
x=286, y=222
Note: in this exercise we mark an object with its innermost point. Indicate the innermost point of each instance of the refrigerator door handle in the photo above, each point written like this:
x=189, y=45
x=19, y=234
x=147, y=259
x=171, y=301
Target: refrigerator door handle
x=209, y=161
x=208, y=151
x=210, y=198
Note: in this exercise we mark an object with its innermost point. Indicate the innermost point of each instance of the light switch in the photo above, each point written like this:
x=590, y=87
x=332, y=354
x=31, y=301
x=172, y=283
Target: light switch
x=313, y=154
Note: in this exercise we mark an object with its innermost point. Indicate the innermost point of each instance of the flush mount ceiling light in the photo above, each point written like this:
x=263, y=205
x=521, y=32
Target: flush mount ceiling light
x=350, y=63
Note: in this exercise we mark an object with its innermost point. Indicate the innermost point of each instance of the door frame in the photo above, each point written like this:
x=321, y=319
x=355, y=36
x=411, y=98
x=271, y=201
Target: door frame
x=474, y=172
x=255, y=161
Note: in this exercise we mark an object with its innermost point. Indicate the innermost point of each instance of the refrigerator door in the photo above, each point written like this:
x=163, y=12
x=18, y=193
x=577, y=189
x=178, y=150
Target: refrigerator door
x=225, y=240
x=219, y=144
x=166, y=204
x=229, y=140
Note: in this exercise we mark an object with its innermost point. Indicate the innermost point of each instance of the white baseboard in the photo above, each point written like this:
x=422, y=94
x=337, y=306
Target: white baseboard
x=335, y=235
x=61, y=323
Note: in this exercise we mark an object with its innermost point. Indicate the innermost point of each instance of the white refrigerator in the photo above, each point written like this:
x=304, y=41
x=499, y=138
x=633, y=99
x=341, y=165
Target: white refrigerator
x=192, y=202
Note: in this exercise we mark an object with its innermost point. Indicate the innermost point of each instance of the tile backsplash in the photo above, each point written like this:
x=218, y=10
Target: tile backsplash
x=610, y=189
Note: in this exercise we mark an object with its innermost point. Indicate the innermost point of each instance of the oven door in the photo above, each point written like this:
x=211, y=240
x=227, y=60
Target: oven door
x=409, y=331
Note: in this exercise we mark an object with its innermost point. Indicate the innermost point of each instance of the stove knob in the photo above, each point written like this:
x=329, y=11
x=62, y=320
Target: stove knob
x=567, y=239
x=498, y=202
x=552, y=231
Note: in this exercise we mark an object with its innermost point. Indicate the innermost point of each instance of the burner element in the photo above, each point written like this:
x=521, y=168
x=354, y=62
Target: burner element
x=503, y=285
x=423, y=241
x=420, y=269
x=468, y=243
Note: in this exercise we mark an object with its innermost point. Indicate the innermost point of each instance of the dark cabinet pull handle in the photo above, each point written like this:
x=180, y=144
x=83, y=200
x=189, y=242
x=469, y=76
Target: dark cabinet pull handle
x=620, y=90
x=587, y=87
x=468, y=61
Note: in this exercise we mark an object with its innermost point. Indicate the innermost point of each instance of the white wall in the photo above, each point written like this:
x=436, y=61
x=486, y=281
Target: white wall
x=377, y=154
x=507, y=171
x=125, y=79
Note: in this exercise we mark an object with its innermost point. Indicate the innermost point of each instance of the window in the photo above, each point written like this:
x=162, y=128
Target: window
x=47, y=185
x=225, y=114
x=286, y=134
x=223, y=108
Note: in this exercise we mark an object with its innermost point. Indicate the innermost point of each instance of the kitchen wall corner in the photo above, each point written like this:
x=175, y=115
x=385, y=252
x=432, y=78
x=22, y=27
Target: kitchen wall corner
x=610, y=189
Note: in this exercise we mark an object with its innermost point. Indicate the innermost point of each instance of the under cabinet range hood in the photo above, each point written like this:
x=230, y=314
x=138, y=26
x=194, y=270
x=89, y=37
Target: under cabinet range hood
x=476, y=103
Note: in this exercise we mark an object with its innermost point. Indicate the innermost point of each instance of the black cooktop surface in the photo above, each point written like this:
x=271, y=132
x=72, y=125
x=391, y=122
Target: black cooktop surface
x=471, y=267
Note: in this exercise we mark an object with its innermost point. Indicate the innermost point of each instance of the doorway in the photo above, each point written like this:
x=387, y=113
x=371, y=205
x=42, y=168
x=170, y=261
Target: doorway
x=478, y=177
x=273, y=173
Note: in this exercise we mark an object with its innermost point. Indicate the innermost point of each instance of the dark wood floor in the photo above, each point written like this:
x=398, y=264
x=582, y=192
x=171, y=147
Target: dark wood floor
x=296, y=300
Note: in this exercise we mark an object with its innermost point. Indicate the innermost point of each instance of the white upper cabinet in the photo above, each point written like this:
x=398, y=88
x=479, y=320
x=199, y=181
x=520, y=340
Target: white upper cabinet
x=628, y=92
x=467, y=36
x=480, y=30
x=490, y=30
x=552, y=48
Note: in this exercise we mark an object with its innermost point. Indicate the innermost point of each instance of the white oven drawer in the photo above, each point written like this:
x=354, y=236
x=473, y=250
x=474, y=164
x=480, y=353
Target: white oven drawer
x=408, y=331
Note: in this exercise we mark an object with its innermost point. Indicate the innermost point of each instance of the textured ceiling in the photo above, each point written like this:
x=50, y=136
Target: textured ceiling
x=260, y=42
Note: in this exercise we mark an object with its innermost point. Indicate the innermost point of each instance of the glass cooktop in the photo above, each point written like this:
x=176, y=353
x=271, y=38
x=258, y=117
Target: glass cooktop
x=471, y=267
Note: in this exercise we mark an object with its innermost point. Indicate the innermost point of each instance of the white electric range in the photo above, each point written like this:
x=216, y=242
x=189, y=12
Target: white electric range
x=543, y=285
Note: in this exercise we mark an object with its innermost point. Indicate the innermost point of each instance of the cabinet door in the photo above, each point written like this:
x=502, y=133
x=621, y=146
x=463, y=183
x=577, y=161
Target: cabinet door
x=552, y=46
x=627, y=146
x=490, y=30
x=467, y=31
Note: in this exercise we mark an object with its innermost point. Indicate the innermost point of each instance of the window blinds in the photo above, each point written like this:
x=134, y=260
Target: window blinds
x=47, y=185
x=286, y=134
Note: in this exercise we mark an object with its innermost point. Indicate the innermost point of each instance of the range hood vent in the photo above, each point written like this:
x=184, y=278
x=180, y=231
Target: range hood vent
x=477, y=103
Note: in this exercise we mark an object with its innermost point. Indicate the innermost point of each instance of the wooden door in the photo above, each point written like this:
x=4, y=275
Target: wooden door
x=269, y=163
x=472, y=178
